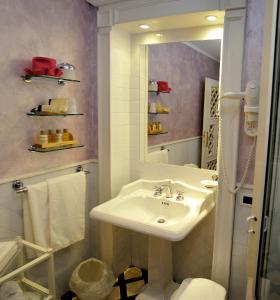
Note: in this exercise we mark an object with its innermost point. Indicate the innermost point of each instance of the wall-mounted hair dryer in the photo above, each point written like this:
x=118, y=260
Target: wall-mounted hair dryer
x=251, y=107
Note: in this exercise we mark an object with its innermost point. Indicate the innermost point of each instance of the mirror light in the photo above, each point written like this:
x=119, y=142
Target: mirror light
x=144, y=26
x=211, y=18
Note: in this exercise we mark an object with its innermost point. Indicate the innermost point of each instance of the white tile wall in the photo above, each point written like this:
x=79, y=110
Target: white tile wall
x=138, y=96
x=238, y=278
x=120, y=109
x=65, y=260
x=182, y=152
x=120, y=129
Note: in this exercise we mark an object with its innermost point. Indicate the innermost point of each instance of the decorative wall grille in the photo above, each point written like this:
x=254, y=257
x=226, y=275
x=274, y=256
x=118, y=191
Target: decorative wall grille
x=211, y=140
x=214, y=102
x=212, y=165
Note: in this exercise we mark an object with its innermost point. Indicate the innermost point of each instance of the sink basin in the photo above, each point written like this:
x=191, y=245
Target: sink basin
x=137, y=208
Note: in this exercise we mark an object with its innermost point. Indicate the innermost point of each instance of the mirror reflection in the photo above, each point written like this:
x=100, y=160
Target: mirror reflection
x=183, y=103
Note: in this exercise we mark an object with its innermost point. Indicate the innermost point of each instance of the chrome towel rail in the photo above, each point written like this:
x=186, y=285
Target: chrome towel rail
x=80, y=168
x=162, y=148
x=19, y=186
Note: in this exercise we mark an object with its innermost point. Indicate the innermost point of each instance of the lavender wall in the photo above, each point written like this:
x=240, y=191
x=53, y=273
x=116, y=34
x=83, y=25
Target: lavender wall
x=65, y=30
x=251, y=71
x=185, y=69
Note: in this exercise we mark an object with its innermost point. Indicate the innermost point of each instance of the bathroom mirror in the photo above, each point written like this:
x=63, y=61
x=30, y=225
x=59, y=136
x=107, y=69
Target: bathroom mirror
x=183, y=117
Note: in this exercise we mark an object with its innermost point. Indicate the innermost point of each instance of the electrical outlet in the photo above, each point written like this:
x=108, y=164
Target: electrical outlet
x=246, y=200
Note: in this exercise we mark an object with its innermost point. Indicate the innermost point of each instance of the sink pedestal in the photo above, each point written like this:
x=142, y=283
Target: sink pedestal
x=160, y=267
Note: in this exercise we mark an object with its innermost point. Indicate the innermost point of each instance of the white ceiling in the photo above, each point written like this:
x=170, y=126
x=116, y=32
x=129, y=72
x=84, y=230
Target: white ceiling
x=211, y=48
x=174, y=22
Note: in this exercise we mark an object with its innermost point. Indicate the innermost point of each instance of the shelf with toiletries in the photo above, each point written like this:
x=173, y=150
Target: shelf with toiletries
x=60, y=107
x=42, y=114
x=60, y=80
x=158, y=87
x=34, y=148
x=155, y=128
x=53, y=140
x=158, y=108
x=47, y=68
x=158, y=113
x=158, y=133
x=159, y=92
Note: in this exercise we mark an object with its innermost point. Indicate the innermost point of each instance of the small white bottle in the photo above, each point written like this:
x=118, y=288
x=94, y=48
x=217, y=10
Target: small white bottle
x=59, y=135
x=153, y=86
x=43, y=138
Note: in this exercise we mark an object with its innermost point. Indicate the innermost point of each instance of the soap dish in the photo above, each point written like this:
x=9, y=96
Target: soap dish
x=209, y=183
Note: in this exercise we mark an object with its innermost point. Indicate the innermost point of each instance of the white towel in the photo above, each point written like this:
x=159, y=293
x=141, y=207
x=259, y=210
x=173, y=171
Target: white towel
x=36, y=215
x=54, y=212
x=67, y=196
x=160, y=156
x=11, y=290
x=8, y=250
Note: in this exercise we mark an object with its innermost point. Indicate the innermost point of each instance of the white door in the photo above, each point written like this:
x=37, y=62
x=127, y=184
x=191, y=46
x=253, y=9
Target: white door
x=209, y=148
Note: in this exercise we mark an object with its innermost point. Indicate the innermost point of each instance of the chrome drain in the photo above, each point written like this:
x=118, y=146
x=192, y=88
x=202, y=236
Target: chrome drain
x=161, y=220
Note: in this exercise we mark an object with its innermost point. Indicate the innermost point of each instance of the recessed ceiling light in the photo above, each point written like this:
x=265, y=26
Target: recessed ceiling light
x=158, y=34
x=211, y=18
x=144, y=26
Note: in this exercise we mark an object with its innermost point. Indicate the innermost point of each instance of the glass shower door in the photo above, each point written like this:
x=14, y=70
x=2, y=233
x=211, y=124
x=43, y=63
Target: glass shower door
x=268, y=285
x=268, y=280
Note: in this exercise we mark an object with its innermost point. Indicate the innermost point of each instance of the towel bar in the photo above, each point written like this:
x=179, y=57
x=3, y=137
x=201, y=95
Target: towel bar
x=81, y=168
x=162, y=148
x=19, y=187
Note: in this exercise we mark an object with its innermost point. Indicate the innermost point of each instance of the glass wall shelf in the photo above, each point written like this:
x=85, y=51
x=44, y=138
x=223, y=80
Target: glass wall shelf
x=34, y=148
x=60, y=80
x=158, y=133
x=42, y=114
x=159, y=92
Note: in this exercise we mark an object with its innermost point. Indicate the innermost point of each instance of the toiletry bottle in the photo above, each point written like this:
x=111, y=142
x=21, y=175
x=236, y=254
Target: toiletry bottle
x=43, y=137
x=153, y=108
x=158, y=107
x=67, y=136
x=150, y=128
x=58, y=135
x=154, y=126
x=157, y=127
x=51, y=136
x=153, y=86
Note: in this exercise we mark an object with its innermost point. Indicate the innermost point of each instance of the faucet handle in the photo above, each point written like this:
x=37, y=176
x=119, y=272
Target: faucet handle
x=215, y=177
x=158, y=190
x=180, y=196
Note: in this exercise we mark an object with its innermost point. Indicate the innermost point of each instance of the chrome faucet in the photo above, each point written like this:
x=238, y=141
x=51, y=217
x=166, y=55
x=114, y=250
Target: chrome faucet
x=169, y=190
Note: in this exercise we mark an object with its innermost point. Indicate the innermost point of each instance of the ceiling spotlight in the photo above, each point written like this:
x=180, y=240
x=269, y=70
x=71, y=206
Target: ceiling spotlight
x=158, y=34
x=144, y=26
x=211, y=18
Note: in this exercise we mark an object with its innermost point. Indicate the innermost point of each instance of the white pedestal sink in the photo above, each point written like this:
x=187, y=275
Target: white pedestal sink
x=160, y=266
x=163, y=219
